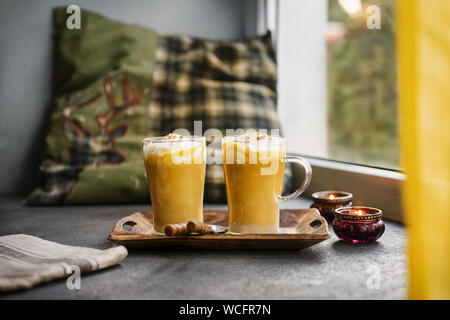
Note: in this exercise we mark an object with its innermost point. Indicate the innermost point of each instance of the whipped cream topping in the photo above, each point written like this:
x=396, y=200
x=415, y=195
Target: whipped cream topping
x=172, y=143
x=257, y=141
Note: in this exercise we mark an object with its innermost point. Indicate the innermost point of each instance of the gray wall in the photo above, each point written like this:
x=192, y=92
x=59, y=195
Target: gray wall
x=26, y=63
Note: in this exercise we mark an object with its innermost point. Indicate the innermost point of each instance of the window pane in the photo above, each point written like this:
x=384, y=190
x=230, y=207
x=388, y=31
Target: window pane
x=362, y=89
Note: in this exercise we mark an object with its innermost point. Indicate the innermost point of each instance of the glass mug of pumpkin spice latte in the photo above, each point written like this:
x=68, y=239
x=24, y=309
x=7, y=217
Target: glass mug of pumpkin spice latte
x=175, y=166
x=253, y=165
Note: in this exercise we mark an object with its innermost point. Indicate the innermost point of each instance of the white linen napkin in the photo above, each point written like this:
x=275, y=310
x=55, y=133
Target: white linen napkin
x=26, y=261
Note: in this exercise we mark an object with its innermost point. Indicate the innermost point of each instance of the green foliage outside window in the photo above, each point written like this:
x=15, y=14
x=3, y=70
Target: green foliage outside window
x=362, y=89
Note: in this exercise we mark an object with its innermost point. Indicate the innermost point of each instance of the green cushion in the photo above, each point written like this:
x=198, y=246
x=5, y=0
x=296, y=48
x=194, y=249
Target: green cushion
x=119, y=83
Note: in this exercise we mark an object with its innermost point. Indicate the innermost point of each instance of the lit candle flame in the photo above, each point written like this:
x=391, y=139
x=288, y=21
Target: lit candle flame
x=332, y=196
x=359, y=212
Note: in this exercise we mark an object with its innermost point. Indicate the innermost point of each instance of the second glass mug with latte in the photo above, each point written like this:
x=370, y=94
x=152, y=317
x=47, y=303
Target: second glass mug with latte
x=254, y=167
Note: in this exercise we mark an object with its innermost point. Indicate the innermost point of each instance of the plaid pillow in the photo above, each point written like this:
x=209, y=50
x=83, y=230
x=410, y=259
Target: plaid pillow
x=119, y=83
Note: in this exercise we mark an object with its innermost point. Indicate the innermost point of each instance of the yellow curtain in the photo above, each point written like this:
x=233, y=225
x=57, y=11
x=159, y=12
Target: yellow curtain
x=423, y=43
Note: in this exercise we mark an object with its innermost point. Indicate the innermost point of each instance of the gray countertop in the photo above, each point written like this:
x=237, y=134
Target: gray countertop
x=329, y=270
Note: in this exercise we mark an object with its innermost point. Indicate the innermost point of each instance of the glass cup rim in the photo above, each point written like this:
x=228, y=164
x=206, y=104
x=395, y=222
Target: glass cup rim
x=161, y=139
x=233, y=139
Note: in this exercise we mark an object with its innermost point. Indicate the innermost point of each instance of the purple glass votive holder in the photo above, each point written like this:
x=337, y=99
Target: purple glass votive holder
x=358, y=224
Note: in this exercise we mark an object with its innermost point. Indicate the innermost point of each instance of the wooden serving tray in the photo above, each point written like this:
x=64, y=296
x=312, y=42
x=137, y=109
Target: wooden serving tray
x=299, y=228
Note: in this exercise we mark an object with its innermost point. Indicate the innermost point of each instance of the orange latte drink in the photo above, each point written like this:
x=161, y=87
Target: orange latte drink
x=175, y=167
x=253, y=167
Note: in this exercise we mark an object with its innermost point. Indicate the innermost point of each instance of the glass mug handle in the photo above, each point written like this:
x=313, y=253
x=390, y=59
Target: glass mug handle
x=308, y=175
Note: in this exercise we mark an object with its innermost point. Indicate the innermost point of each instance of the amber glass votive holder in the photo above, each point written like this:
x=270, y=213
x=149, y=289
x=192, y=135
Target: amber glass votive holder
x=328, y=201
x=358, y=224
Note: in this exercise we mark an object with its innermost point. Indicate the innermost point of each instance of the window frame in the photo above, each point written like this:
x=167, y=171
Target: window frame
x=371, y=187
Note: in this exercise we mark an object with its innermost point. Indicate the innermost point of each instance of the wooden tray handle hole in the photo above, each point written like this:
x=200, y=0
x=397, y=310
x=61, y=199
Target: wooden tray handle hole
x=128, y=225
x=315, y=224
